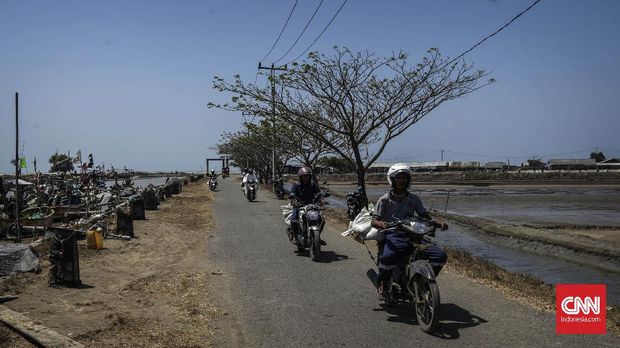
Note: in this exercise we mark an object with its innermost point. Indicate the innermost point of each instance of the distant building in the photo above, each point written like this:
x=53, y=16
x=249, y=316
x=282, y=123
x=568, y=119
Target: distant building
x=466, y=165
x=383, y=167
x=610, y=163
x=429, y=166
x=379, y=167
x=495, y=166
x=572, y=164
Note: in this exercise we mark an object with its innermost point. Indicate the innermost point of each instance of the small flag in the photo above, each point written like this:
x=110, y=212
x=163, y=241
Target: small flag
x=22, y=162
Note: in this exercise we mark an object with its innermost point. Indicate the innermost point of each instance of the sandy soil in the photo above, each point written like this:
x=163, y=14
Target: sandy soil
x=151, y=291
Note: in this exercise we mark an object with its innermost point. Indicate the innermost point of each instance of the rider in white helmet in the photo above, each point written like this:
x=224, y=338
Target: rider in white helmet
x=399, y=204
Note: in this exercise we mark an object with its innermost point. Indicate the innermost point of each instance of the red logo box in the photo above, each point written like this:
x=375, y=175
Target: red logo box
x=580, y=309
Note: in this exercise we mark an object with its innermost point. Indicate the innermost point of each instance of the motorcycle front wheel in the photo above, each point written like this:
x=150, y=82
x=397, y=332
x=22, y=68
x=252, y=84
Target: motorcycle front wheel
x=427, y=303
x=315, y=246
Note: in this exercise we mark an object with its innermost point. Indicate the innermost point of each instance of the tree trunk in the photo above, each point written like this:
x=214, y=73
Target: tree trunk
x=361, y=179
x=361, y=183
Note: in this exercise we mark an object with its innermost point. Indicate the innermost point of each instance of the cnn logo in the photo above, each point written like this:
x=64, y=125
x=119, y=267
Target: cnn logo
x=580, y=309
x=575, y=305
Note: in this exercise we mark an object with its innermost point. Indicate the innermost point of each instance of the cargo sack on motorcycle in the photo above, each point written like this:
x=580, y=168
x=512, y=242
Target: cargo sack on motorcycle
x=397, y=246
x=360, y=229
x=287, y=212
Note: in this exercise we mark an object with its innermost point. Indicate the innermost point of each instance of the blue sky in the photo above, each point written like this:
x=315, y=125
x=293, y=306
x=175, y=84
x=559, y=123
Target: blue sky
x=129, y=80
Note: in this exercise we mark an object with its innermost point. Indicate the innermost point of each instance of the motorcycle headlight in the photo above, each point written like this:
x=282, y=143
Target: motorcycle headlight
x=312, y=215
x=420, y=228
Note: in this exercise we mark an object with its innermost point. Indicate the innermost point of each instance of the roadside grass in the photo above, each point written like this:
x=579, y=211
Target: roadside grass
x=521, y=287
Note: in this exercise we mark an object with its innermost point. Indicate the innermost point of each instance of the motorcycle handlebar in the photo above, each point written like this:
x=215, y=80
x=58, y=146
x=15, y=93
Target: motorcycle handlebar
x=433, y=223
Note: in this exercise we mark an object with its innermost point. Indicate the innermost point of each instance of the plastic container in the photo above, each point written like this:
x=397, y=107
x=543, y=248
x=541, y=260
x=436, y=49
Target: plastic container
x=94, y=239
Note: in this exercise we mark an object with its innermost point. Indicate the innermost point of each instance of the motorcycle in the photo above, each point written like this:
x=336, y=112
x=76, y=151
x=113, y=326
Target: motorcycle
x=311, y=224
x=278, y=188
x=212, y=183
x=250, y=192
x=354, y=203
x=414, y=279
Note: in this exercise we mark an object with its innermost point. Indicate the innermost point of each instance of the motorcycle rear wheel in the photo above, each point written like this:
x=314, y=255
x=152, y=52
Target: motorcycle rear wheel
x=427, y=304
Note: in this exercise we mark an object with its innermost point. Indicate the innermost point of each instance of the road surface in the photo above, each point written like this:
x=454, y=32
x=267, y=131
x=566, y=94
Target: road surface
x=276, y=298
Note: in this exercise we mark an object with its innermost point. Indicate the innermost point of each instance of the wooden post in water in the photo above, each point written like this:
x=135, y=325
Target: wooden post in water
x=445, y=208
x=17, y=225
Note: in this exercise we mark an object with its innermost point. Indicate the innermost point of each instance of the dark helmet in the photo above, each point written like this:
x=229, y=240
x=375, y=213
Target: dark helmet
x=304, y=171
x=250, y=171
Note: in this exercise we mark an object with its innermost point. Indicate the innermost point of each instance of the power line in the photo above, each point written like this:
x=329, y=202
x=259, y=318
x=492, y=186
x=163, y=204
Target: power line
x=482, y=155
x=491, y=35
x=568, y=153
x=281, y=31
x=321, y=34
x=609, y=150
x=516, y=157
x=409, y=157
x=302, y=32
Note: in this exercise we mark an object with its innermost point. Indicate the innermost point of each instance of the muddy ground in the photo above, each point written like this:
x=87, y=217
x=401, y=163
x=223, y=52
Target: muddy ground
x=151, y=291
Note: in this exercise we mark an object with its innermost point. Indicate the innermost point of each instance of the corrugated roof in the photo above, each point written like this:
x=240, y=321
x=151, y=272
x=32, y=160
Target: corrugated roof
x=572, y=162
x=495, y=165
x=410, y=164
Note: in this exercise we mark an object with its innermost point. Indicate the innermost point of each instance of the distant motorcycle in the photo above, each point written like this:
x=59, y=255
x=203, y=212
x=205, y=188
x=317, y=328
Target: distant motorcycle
x=311, y=223
x=413, y=279
x=250, y=192
x=278, y=188
x=354, y=203
x=212, y=183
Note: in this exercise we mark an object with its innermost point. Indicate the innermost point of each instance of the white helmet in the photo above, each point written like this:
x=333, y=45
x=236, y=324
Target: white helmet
x=397, y=169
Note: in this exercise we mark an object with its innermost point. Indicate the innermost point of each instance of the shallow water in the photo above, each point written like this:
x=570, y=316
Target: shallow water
x=582, y=205
x=548, y=269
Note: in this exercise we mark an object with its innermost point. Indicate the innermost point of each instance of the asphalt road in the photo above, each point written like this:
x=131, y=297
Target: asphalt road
x=277, y=298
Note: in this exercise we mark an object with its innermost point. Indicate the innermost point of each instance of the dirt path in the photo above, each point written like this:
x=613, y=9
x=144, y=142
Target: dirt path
x=148, y=292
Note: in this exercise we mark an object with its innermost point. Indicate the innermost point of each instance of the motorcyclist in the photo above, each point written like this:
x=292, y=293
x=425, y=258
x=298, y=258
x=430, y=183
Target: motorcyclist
x=401, y=204
x=248, y=178
x=213, y=176
x=302, y=193
x=278, y=188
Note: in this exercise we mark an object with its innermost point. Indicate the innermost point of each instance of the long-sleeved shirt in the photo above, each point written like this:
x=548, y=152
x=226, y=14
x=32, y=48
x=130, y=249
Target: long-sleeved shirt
x=249, y=178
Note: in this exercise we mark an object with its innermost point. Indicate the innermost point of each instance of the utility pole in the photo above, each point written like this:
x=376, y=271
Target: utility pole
x=273, y=115
x=442, y=155
x=247, y=159
x=17, y=225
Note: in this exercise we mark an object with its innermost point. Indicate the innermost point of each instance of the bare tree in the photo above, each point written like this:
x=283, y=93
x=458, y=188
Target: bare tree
x=356, y=103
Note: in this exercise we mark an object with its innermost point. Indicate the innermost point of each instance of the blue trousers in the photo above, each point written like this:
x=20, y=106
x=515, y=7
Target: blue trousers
x=433, y=253
x=295, y=215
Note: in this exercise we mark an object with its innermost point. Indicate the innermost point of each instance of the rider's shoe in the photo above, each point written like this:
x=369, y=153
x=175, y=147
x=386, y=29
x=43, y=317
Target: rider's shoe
x=384, y=295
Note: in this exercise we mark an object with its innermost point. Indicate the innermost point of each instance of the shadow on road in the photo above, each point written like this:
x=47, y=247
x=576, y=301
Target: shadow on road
x=452, y=318
x=327, y=256
x=330, y=256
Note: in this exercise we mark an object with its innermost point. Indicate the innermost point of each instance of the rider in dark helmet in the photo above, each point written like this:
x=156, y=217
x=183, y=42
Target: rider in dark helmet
x=303, y=193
